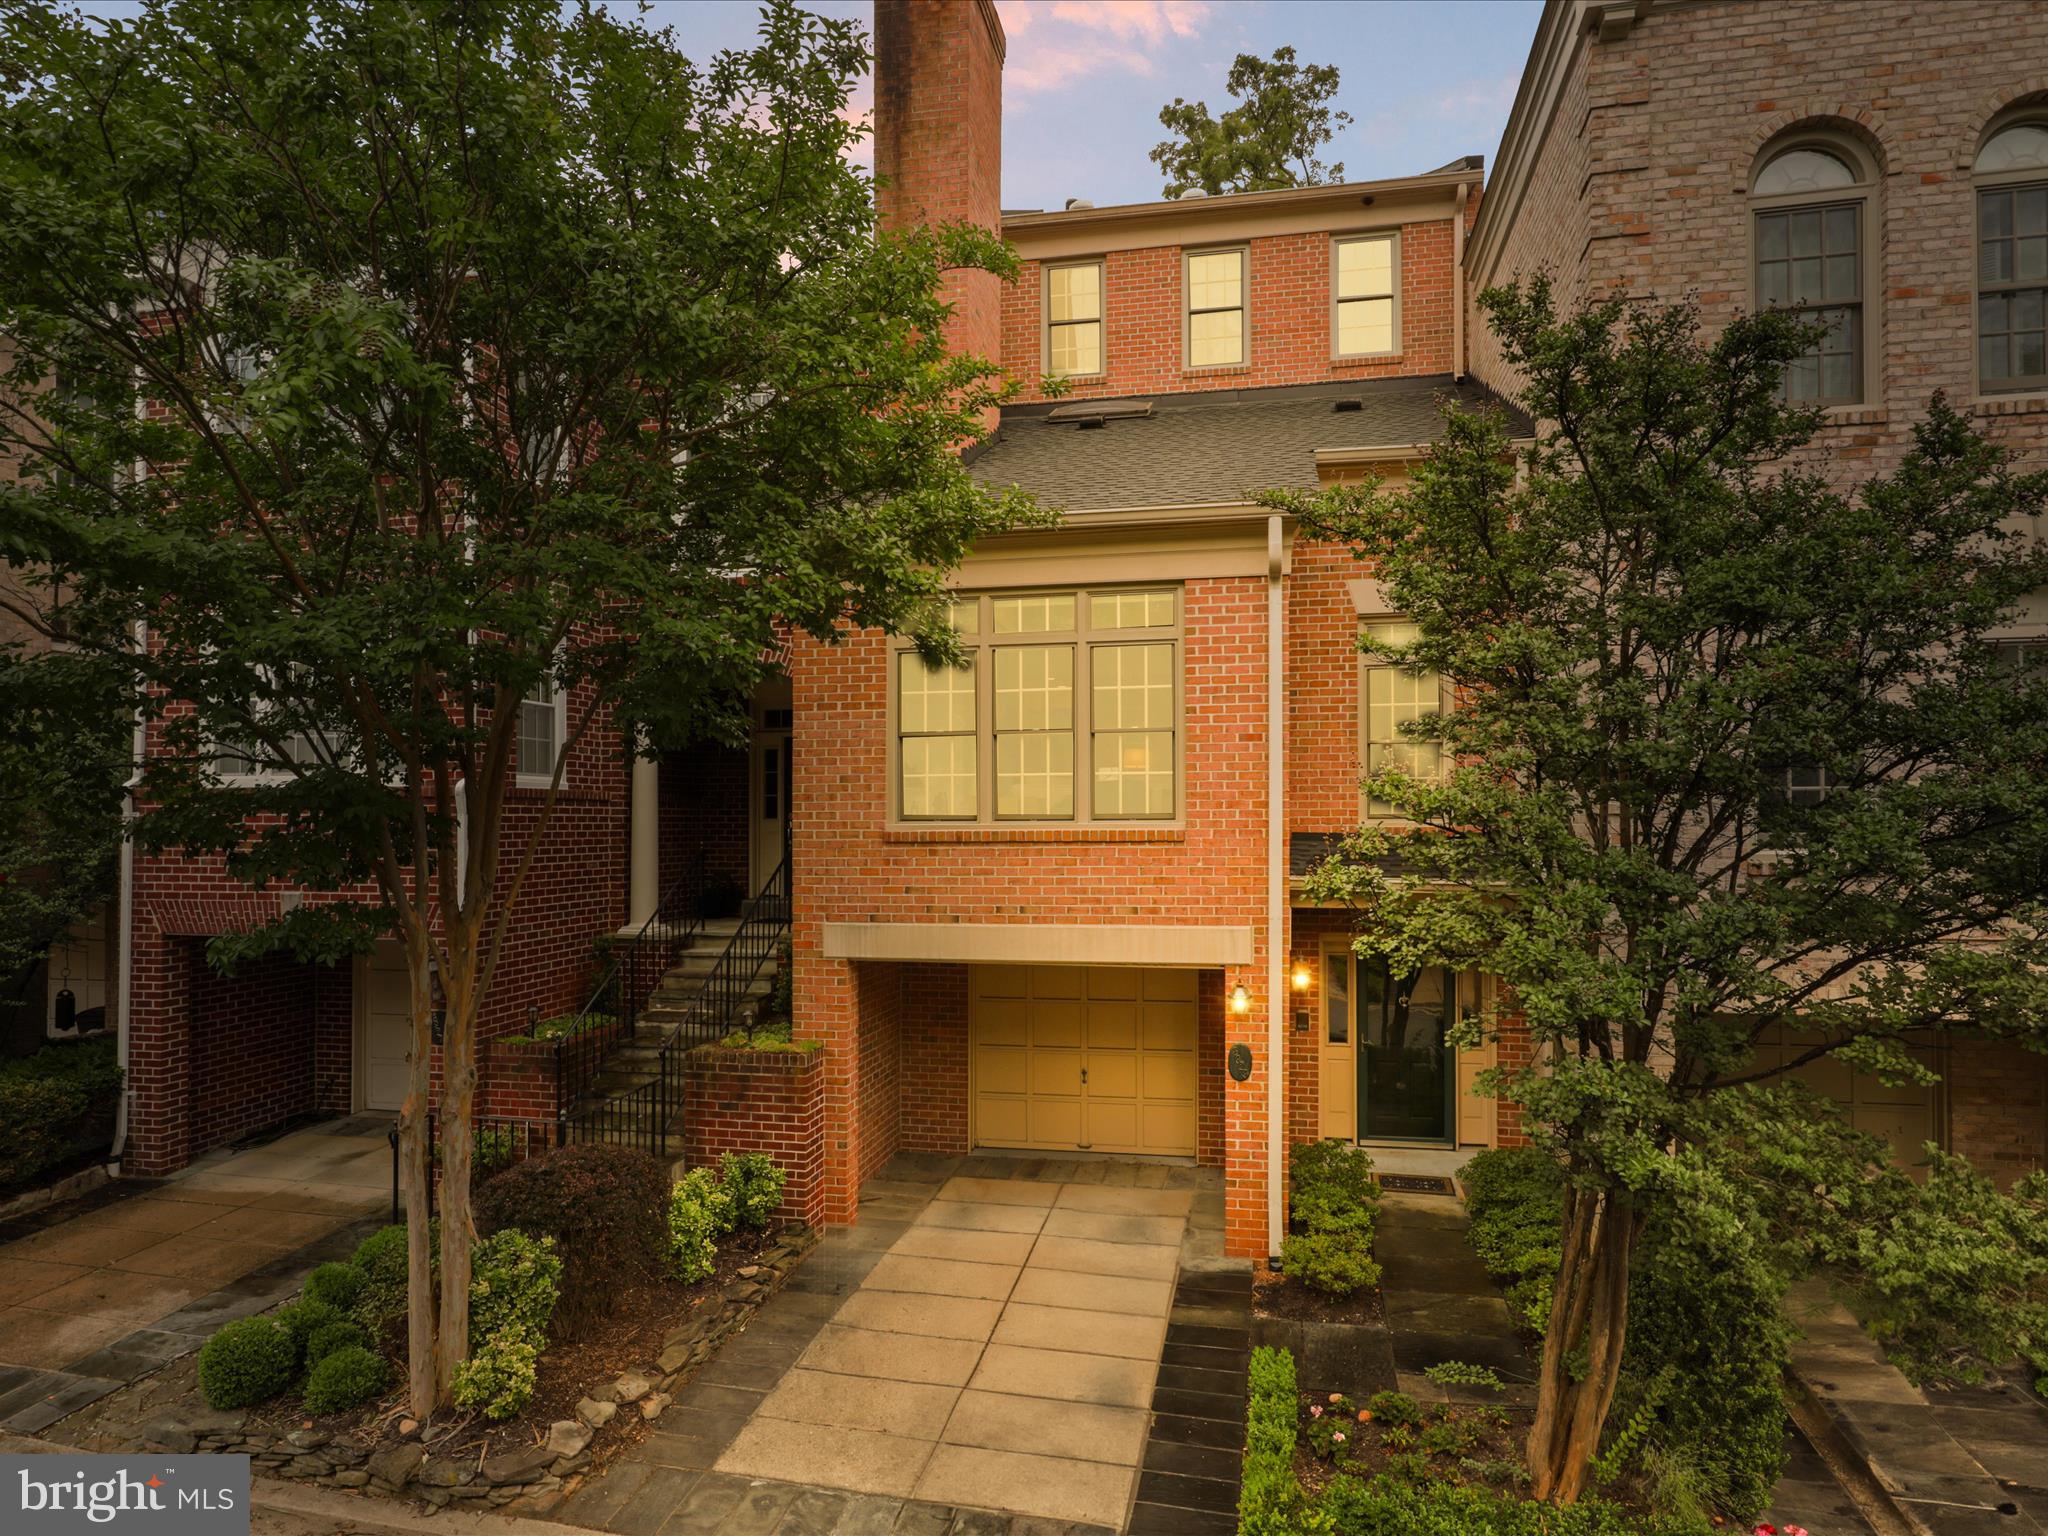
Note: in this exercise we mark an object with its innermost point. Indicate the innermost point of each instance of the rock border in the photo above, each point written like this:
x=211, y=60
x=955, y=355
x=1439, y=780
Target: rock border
x=406, y=1469
x=70, y=1187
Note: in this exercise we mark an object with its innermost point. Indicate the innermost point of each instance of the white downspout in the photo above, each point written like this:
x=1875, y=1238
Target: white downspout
x=125, y=1011
x=1276, y=885
x=1458, y=286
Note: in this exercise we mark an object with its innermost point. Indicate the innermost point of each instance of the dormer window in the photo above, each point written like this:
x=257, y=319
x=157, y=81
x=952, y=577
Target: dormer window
x=1073, y=320
x=1215, y=284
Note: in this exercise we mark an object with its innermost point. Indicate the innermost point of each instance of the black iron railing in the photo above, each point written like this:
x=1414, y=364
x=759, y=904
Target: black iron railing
x=500, y=1141
x=631, y=974
x=649, y=1113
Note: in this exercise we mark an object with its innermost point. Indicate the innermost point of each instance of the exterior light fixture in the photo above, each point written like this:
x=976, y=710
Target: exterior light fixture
x=1240, y=1001
x=1301, y=976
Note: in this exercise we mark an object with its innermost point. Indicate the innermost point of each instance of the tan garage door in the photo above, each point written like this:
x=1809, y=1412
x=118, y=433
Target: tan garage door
x=1070, y=1058
x=1906, y=1115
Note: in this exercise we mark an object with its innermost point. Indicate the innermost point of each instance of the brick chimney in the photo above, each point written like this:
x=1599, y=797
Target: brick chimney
x=939, y=139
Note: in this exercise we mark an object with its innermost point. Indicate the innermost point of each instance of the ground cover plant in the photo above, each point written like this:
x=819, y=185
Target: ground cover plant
x=1736, y=757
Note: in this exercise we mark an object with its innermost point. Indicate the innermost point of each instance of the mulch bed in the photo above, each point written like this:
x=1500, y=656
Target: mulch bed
x=1486, y=1437
x=641, y=1314
x=1274, y=1295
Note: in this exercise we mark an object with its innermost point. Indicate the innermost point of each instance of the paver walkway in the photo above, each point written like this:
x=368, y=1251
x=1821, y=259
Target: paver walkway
x=98, y=1292
x=978, y=1355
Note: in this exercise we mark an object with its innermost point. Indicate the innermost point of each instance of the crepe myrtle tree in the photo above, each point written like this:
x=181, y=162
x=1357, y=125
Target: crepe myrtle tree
x=393, y=364
x=1734, y=757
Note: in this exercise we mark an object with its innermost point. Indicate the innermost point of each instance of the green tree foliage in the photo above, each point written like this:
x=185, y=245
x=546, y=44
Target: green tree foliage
x=1651, y=616
x=1269, y=139
x=417, y=358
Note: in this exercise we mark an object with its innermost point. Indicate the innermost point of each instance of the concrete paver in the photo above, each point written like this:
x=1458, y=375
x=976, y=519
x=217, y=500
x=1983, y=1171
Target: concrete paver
x=862, y=1460
x=1058, y=1487
x=914, y=1408
x=985, y=1215
x=1002, y=1421
x=1095, y=1333
x=943, y=1277
x=893, y=1356
x=1091, y=1256
x=944, y=1317
x=1095, y=1293
x=1065, y=1376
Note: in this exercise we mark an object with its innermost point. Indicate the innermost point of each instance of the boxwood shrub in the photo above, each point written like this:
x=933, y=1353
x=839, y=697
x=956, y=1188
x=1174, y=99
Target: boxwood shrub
x=1335, y=1201
x=247, y=1362
x=349, y=1376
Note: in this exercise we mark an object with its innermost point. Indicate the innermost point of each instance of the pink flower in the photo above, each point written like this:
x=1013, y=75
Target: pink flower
x=1765, y=1530
x=1315, y=1410
x=1338, y=1436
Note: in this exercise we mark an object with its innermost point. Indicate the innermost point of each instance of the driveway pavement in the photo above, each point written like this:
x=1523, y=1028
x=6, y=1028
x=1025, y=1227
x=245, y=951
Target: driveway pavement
x=983, y=1347
x=97, y=1293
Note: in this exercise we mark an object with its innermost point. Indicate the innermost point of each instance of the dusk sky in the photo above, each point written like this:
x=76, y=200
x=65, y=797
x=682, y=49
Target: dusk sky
x=1427, y=80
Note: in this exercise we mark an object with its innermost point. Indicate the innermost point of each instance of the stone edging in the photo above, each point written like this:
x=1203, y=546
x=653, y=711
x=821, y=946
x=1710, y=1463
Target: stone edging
x=315, y=1456
x=70, y=1187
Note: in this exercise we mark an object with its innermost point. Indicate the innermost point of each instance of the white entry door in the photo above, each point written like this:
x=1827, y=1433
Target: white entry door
x=383, y=1028
x=773, y=775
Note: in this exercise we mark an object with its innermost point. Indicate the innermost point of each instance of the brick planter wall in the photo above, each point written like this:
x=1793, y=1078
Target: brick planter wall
x=761, y=1101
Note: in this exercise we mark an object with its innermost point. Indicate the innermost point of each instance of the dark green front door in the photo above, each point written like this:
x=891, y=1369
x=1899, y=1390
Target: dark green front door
x=1405, y=1074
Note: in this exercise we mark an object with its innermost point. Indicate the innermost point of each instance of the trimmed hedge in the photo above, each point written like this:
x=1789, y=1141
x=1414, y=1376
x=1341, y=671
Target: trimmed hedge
x=604, y=1206
x=1386, y=1507
x=54, y=1105
x=1270, y=1500
x=342, y=1380
x=1335, y=1200
x=246, y=1363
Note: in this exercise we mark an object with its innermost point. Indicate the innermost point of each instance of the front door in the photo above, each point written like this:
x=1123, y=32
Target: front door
x=1405, y=1072
x=773, y=776
x=383, y=1028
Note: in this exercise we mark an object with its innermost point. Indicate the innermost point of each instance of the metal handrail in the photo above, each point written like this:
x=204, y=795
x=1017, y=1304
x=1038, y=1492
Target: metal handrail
x=580, y=1053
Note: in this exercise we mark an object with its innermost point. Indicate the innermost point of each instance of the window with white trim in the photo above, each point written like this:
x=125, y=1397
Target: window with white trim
x=1215, y=287
x=1391, y=695
x=2012, y=259
x=1073, y=320
x=255, y=759
x=1365, y=278
x=1810, y=206
x=1066, y=708
x=1807, y=784
x=543, y=716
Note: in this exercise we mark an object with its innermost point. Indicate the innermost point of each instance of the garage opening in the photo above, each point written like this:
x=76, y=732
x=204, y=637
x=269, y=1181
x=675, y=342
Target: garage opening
x=1083, y=1058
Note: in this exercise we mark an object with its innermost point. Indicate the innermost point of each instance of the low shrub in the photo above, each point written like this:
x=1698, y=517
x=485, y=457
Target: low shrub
x=513, y=1290
x=1387, y=1506
x=697, y=1212
x=338, y=1285
x=1270, y=1499
x=753, y=1187
x=328, y=1337
x=604, y=1207
x=381, y=1264
x=1335, y=1201
x=246, y=1363
x=55, y=1104
x=302, y=1319
x=342, y=1380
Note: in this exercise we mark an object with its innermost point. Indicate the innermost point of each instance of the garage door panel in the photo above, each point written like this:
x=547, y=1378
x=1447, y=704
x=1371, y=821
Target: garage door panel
x=1169, y=986
x=1057, y=1025
x=1170, y=1077
x=1113, y=1026
x=1112, y=1076
x=1036, y=1028
x=1056, y=1072
x=1058, y=981
x=1055, y=1122
x=1004, y=1021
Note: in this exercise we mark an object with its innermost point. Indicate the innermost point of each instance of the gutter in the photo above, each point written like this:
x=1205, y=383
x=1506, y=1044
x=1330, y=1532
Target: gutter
x=1458, y=286
x=126, y=897
x=1276, y=884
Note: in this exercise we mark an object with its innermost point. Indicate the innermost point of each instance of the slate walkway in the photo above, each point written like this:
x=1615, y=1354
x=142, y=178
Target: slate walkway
x=101, y=1291
x=979, y=1356
x=1954, y=1463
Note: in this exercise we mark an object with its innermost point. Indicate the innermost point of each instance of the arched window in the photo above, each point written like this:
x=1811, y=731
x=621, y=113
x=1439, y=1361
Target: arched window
x=2012, y=258
x=1811, y=201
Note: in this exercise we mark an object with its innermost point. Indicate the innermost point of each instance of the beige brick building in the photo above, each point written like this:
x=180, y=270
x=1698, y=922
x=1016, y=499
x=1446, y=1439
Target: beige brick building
x=1886, y=162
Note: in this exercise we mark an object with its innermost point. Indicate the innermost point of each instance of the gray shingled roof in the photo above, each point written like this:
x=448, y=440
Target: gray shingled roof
x=1214, y=447
x=1307, y=851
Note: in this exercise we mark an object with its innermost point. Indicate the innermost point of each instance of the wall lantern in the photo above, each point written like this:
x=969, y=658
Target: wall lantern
x=1240, y=1001
x=1301, y=976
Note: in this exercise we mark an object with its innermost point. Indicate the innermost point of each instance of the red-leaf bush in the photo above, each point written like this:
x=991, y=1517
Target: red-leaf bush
x=606, y=1209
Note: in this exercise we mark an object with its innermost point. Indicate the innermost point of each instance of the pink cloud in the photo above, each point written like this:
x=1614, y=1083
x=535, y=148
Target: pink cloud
x=1053, y=43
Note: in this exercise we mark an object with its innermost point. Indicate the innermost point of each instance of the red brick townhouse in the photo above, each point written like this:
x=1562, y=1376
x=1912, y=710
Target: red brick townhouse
x=1050, y=901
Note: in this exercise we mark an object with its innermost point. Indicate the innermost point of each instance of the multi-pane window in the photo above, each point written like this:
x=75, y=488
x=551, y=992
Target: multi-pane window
x=1807, y=784
x=1365, y=276
x=254, y=759
x=540, y=730
x=2012, y=259
x=1811, y=254
x=1067, y=709
x=1394, y=696
x=1216, y=317
x=1073, y=320
x=2023, y=659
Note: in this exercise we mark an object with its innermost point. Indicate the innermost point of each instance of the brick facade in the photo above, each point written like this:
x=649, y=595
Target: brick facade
x=1628, y=171
x=771, y=1102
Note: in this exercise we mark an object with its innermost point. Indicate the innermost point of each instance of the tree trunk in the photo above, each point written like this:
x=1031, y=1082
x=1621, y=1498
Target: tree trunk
x=1582, y=1349
x=458, y=1106
x=414, y=1176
